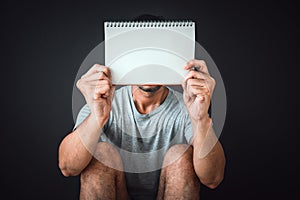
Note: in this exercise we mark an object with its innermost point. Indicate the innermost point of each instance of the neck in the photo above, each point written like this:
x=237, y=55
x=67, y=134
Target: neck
x=145, y=102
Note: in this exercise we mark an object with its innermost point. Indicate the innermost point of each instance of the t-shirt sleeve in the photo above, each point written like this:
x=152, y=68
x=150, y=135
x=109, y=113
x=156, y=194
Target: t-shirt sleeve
x=188, y=130
x=82, y=115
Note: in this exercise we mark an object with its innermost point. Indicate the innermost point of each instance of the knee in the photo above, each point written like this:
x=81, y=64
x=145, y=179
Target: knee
x=180, y=174
x=179, y=155
x=101, y=173
x=107, y=155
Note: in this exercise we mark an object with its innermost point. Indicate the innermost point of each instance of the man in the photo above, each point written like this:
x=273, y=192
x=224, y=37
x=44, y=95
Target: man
x=193, y=152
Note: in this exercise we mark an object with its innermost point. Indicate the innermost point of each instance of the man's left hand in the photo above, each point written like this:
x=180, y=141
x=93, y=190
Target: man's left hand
x=198, y=87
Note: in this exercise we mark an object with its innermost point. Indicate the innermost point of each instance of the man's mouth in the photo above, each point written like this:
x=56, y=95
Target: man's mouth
x=150, y=89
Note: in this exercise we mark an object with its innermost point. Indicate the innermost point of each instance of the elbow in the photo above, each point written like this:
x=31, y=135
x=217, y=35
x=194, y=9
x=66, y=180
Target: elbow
x=65, y=172
x=213, y=184
x=68, y=171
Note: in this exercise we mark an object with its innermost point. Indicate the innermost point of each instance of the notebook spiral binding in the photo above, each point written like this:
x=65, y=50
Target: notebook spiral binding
x=143, y=24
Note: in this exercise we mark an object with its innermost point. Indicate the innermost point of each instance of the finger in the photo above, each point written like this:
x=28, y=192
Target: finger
x=193, y=75
x=196, y=90
x=107, y=73
x=112, y=92
x=92, y=77
x=201, y=64
x=197, y=74
x=96, y=82
x=197, y=82
x=95, y=69
x=199, y=92
x=97, y=76
x=102, y=91
x=210, y=81
x=99, y=83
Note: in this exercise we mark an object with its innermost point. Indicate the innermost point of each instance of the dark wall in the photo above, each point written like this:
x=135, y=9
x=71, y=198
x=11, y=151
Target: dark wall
x=254, y=44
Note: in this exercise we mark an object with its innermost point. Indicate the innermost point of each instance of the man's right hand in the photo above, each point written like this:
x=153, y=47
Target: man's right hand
x=97, y=89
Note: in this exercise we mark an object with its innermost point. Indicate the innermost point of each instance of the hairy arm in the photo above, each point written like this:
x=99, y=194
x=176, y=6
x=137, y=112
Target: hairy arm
x=76, y=149
x=208, y=156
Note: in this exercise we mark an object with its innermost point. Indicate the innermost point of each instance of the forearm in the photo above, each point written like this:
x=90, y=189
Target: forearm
x=76, y=149
x=209, y=159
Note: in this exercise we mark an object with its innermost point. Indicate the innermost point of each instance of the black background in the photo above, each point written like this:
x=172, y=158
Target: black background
x=253, y=43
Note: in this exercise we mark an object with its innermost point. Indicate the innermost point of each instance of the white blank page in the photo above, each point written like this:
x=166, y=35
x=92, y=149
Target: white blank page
x=148, y=52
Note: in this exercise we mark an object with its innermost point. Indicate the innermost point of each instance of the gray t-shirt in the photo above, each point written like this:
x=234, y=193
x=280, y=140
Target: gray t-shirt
x=143, y=139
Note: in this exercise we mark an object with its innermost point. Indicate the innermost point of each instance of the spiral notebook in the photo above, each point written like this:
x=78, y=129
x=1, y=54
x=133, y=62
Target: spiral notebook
x=150, y=52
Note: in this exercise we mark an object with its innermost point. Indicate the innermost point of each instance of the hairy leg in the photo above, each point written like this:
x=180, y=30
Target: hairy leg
x=178, y=179
x=103, y=180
